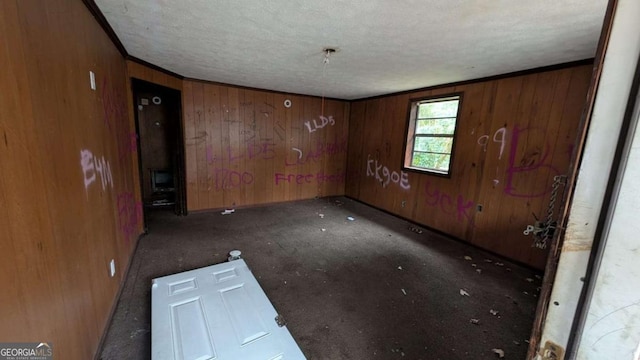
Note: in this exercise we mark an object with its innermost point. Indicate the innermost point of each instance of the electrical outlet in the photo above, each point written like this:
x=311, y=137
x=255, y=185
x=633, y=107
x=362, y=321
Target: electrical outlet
x=92, y=79
x=552, y=351
x=112, y=268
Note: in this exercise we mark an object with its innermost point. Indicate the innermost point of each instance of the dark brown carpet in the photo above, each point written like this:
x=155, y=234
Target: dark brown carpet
x=372, y=288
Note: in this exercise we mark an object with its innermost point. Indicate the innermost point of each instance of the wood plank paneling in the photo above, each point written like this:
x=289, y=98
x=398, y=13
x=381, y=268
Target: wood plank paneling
x=514, y=134
x=67, y=185
x=259, y=151
x=142, y=72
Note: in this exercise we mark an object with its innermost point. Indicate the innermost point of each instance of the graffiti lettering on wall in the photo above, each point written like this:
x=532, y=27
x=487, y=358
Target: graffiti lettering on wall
x=322, y=149
x=309, y=178
x=91, y=165
x=498, y=137
x=385, y=176
x=114, y=109
x=531, y=163
x=129, y=215
x=280, y=130
x=459, y=207
x=324, y=121
x=127, y=145
x=227, y=179
x=263, y=151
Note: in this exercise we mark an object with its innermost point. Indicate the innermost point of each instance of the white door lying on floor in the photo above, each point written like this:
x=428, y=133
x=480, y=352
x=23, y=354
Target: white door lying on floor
x=216, y=312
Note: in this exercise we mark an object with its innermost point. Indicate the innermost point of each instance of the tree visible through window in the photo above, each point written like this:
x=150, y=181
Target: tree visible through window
x=430, y=135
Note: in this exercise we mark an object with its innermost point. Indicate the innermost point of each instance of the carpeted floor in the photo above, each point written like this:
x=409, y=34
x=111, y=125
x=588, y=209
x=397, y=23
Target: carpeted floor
x=377, y=287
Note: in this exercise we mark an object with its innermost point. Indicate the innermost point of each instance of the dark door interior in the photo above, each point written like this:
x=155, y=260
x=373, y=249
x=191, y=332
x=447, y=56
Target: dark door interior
x=160, y=146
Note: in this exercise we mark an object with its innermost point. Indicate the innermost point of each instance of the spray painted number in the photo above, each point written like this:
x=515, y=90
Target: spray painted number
x=230, y=179
x=498, y=137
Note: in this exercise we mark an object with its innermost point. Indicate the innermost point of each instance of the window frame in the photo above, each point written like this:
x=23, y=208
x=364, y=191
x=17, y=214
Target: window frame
x=410, y=135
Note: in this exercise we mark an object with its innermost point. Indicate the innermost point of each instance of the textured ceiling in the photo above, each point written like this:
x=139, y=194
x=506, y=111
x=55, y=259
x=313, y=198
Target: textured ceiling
x=384, y=46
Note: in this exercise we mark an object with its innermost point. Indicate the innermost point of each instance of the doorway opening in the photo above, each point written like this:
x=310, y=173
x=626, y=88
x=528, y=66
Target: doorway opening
x=161, y=165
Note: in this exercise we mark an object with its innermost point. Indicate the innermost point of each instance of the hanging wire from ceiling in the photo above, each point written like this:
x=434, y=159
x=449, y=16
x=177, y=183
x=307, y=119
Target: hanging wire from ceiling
x=327, y=55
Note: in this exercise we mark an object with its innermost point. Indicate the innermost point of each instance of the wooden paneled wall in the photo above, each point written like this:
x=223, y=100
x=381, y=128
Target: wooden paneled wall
x=67, y=201
x=514, y=135
x=143, y=72
x=245, y=147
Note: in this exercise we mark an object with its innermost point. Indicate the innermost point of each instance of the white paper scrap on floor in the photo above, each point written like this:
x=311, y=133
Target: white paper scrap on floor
x=217, y=312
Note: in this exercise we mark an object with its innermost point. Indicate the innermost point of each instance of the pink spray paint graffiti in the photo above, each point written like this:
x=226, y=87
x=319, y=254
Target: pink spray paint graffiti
x=114, y=109
x=129, y=215
x=531, y=163
x=461, y=208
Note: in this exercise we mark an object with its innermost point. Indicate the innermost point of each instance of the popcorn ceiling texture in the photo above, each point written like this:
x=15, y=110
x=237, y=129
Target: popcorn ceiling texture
x=384, y=46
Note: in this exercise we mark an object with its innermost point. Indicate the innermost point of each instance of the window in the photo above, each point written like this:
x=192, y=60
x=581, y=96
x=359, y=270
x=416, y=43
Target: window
x=431, y=133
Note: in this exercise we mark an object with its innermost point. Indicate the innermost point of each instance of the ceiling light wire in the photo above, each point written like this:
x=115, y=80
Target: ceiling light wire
x=325, y=61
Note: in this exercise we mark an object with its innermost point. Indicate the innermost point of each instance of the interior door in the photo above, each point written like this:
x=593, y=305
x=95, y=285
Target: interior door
x=216, y=312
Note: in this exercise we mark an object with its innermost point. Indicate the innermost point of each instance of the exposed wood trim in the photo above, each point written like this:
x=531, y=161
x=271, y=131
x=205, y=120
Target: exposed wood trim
x=154, y=67
x=567, y=198
x=488, y=78
x=95, y=11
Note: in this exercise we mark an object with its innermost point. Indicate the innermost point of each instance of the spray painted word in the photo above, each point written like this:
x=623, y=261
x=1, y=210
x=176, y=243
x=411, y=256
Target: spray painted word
x=386, y=177
x=264, y=151
x=498, y=137
x=309, y=178
x=322, y=148
x=226, y=179
x=129, y=215
x=324, y=121
x=91, y=165
x=462, y=208
x=531, y=163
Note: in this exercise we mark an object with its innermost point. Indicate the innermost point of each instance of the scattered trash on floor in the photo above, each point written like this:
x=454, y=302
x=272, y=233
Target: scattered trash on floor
x=228, y=211
x=488, y=260
x=475, y=321
x=516, y=343
x=479, y=271
x=529, y=280
x=404, y=292
x=399, y=351
x=137, y=333
x=499, y=264
x=463, y=292
x=468, y=258
x=526, y=293
x=415, y=229
x=493, y=312
x=508, y=269
x=474, y=265
x=538, y=277
x=323, y=229
x=321, y=216
x=350, y=218
x=500, y=352
x=399, y=267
